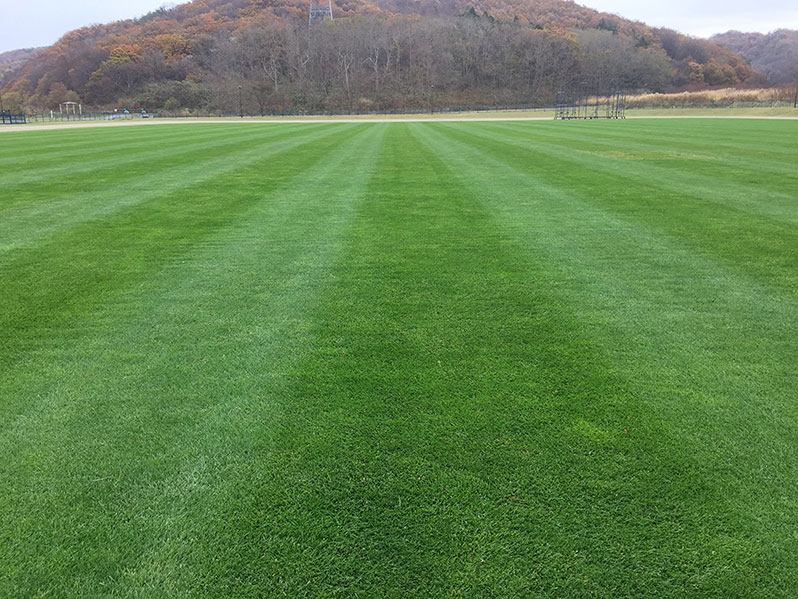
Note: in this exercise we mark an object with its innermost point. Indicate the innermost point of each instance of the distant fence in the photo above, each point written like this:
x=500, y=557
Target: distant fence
x=203, y=114
x=46, y=117
x=632, y=102
x=6, y=118
x=656, y=105
x=771, y=97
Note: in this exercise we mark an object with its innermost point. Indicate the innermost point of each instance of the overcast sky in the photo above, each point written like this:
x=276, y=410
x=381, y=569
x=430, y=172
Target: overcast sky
x=703, y=18
x=41, y=22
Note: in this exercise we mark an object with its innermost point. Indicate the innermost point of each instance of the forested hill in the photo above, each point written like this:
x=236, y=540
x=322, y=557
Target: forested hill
x=15, y=58
x=375, y=55
x=774, y=54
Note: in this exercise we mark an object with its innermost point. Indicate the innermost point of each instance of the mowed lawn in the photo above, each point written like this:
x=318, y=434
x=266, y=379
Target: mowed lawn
x=549, y=359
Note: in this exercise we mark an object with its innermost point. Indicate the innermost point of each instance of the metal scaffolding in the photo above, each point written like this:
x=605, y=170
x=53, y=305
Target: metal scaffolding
x=318, y=10
x=583, y=102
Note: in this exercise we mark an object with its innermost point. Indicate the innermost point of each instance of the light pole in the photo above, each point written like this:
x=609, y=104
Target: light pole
x=240, y=106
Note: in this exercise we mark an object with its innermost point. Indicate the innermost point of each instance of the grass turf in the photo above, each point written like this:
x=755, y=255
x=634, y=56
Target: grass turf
x=388, y=360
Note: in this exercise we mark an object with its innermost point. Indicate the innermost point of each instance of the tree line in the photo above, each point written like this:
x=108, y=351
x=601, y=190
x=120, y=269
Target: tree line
x=365, y=64
x=774, y=54
x=361, y=63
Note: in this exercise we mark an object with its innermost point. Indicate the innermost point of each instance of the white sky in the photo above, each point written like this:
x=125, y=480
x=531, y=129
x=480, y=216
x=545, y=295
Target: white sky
x=704, y=18
x=30, y=23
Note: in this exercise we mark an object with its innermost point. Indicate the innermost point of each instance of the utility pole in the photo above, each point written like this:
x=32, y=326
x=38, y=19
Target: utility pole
x=240, y=105
x=795, y=98
x=319, y=11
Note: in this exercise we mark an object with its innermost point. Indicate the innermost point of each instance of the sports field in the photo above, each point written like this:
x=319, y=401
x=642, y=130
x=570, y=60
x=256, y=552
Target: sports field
x=540, y=359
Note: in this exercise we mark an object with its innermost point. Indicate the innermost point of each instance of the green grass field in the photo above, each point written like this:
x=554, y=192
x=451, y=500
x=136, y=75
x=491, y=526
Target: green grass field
x=547, y=359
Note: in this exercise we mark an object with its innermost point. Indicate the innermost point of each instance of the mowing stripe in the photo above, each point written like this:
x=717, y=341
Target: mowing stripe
x=110, y=158
x=111, y=175
x=33, y=222
x=762, y=139
x=400, y=360
x=709, y=222
x=761, y=197
x=88, y=262
x=207, y=412
x=703, y=349
x=691, y=153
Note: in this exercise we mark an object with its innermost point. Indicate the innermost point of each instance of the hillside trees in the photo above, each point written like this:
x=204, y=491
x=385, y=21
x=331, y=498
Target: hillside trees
x=719, y=66
x=610, y=61
x=377, y=63
x=376, y=55
x=774, y=54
